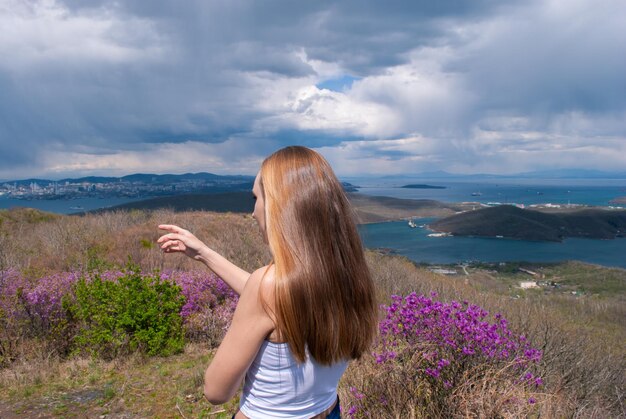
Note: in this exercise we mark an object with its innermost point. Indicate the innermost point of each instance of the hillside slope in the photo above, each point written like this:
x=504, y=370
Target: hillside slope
x=217, y=202
x=369, y=209
x=512, y=222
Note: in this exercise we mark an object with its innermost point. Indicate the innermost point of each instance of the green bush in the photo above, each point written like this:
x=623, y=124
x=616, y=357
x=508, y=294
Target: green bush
x=136, y=312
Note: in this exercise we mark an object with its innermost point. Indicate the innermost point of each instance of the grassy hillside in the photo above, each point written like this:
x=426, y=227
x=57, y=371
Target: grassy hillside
x=582, y=337
x=512, y=222
x=368, y=209
x=218, y=202
x=371, y=209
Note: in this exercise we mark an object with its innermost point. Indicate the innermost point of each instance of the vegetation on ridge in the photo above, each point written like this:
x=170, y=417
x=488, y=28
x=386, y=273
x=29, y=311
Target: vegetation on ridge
x=513, y=222
x=581, y=339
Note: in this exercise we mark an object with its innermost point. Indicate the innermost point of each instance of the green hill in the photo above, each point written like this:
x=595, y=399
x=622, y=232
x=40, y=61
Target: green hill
x=368, y=208
x=217, y=202
x=512, y=222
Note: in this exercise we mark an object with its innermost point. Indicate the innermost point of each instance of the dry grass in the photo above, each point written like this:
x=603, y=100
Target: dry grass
x=126, y=387
x=583, y=339
x=73, y=242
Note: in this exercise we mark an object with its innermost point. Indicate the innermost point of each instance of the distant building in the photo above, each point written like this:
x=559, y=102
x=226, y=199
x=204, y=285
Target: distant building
x=442, y=271
x=528, y=284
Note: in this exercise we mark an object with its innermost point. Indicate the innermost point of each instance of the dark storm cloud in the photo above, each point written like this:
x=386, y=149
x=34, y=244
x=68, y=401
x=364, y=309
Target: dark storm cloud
x=312, y=138
x=363, y=36
x=192, y=88
x=97, y=77
x=552, y=61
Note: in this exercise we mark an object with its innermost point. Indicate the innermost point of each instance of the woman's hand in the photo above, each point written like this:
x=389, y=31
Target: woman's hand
x=180, y=240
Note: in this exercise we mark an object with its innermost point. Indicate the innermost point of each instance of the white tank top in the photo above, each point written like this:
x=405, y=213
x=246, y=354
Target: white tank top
x=276, y=386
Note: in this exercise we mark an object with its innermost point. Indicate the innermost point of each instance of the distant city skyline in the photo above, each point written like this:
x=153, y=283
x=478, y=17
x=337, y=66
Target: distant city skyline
x=112, y=88
x=542, y=175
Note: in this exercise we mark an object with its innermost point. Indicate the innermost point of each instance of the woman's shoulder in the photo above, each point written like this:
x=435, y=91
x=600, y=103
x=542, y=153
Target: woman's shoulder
x=262, y=279
x=261, y=284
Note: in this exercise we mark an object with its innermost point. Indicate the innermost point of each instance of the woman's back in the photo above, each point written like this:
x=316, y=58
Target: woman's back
x=317, y=294
x=277, y=386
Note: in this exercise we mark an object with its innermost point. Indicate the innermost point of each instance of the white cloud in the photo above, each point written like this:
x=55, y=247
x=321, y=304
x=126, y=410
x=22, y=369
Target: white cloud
x=129, y=86
x=46, y=32
x=310, y=108
x=172, y=158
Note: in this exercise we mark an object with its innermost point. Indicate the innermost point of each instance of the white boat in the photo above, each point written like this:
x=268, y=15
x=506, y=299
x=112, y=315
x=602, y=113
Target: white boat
x=412, y=224
x=439, y=235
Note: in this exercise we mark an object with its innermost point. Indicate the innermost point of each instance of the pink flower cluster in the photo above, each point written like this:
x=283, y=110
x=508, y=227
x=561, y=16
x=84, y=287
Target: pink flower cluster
x=450, y=337
x=37, y=304
x=433, y=349
x=201, y=290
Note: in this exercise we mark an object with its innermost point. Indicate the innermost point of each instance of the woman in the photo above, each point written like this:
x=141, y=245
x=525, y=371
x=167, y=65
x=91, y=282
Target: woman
x=303, y=316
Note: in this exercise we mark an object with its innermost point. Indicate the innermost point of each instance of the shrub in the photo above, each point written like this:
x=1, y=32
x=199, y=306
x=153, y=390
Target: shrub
x=54, y=312
x=209, y=305
x=135, y=312
x=446, y=359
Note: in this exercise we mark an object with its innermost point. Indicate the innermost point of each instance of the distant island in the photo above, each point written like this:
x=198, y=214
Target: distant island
x=618, y=201
x=421, y=186
x=348, y=187
x=516, y=223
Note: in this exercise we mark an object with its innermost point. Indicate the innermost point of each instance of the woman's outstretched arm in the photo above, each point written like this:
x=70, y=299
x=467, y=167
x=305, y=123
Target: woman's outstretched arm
x=181, y=240
x=250, y=326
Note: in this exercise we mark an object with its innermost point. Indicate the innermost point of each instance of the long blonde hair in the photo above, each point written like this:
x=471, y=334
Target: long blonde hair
x=324, y=298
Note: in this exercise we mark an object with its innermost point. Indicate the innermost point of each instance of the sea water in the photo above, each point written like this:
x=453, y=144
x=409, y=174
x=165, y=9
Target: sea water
x=64, y=206
x=506, y=191
x=415, y=244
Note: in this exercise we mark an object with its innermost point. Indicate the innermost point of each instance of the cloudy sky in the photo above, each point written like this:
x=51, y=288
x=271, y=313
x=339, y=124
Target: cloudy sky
x=491, y=86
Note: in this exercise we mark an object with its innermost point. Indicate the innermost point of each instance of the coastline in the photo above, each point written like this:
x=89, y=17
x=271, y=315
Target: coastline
x=458, y=219
x=618, y=201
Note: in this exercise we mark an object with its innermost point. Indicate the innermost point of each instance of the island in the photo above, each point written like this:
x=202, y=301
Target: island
x=618, y=201
x=508, y=221
x=348, y=187
x=421, y=186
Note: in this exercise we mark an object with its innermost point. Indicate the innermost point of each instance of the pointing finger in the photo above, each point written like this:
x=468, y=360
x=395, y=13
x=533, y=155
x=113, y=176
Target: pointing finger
x=170, y=236
x=171, y=245
x=171, y=227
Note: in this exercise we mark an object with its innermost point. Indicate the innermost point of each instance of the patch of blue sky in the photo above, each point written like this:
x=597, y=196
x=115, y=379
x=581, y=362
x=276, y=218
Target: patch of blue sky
x=338, y=84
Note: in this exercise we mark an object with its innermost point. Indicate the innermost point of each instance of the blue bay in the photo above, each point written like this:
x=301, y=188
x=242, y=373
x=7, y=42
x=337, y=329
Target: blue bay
x=415, y=244
x=63, y=206
x=519, y=191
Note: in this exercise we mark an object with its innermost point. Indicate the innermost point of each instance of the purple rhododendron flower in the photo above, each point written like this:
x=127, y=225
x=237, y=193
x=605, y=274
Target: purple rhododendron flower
x=462, y=333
